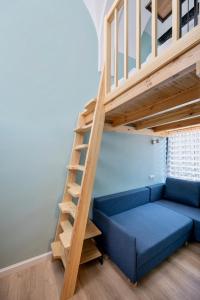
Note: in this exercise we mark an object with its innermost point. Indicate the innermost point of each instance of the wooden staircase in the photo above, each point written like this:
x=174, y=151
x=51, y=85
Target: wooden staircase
x=74, y=243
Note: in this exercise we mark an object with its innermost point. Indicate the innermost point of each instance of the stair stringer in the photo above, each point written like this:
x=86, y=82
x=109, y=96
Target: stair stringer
x=74, y=253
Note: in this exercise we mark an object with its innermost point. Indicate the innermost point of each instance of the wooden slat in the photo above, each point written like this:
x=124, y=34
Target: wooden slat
x=125, y=39
x=158, y=106
x=68, y=208
x=81, y=147
x=138, y=34
x=74, y=189
x=154, y=27
x=116, y=48
x=107, y=55
x=90, y=252
x=175, y=20
x=83, y=129
x=76, y=168
x=177, y=125
x=187, y=111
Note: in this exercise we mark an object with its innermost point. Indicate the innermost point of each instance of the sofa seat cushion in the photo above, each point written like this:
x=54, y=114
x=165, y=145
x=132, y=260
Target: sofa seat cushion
x=182, y=191
x=155, y=227
x=188, y=211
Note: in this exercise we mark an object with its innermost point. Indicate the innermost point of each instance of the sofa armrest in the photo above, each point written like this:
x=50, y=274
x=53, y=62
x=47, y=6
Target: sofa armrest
x=156, y=191
x=117, y=243
x=117, y=203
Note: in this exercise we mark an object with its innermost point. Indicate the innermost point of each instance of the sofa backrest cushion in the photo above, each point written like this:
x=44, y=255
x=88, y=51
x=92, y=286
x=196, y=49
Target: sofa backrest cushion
x=182, y=191
x=116, y=203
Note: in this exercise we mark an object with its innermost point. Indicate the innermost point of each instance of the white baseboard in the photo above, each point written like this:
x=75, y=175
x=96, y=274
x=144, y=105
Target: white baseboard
x=24, y=264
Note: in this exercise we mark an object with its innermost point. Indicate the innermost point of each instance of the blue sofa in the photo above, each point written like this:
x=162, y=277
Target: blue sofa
x=142, y=227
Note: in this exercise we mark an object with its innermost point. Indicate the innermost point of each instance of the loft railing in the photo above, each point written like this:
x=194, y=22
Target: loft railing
x=112, y=36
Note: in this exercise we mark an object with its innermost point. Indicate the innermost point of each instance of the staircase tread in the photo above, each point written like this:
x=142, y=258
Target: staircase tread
x=74, y=189
x=84, y=128
x=55, y=247
x=81, y=147
x=89, y=252
x=76, y=167
x=68, y=208
x=90, y=105
x=65, y=237
x=58, y=251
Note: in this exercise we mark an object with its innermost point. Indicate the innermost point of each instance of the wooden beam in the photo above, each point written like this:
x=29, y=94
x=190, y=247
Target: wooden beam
x=177, y=125
x=138, y=34
x=116, y=48
x=129, y=130
x=154, y=27
x=175, y=20
x=198, y=69
x=187, y=111
x=159, y=105
x=125, y=39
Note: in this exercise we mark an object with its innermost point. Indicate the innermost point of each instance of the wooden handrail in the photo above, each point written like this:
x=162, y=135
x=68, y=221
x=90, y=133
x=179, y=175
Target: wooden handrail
x=113, y=16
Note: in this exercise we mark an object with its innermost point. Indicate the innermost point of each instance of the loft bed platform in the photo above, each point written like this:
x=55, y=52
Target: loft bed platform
x=170, y=88
x=163, y=95
x=164, y=92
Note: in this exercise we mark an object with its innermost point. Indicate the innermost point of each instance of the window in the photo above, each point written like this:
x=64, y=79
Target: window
x=183, y=155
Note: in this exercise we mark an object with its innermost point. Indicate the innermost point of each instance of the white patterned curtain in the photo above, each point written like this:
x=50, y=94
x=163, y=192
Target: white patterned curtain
x=183, y=158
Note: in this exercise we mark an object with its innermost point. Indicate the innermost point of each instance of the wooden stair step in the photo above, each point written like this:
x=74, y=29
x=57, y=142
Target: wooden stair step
x=76, y=168
x=65, y=237
x=81, y=147
x=84, y=128
x=89, y=107
x=91, y=230
x=89, y=252
x=74, y=190
x=58, y=251
x=68, y=208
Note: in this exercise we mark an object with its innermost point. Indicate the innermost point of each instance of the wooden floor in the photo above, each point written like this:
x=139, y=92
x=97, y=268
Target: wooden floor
x=177, y=278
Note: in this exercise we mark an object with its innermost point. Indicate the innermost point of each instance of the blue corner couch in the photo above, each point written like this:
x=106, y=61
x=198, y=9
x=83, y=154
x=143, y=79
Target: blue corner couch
x=142, y=227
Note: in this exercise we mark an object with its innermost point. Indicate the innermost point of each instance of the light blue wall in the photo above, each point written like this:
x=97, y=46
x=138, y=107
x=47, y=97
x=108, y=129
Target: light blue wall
x=126, y=161
x=48, y=70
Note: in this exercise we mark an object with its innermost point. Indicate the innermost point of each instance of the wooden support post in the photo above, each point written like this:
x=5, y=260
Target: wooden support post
x=198, y=69
x=116, y=48
x=126, y=39
x=175, y=20
x=107, y=33
x=138, y=34
x=154, y=27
